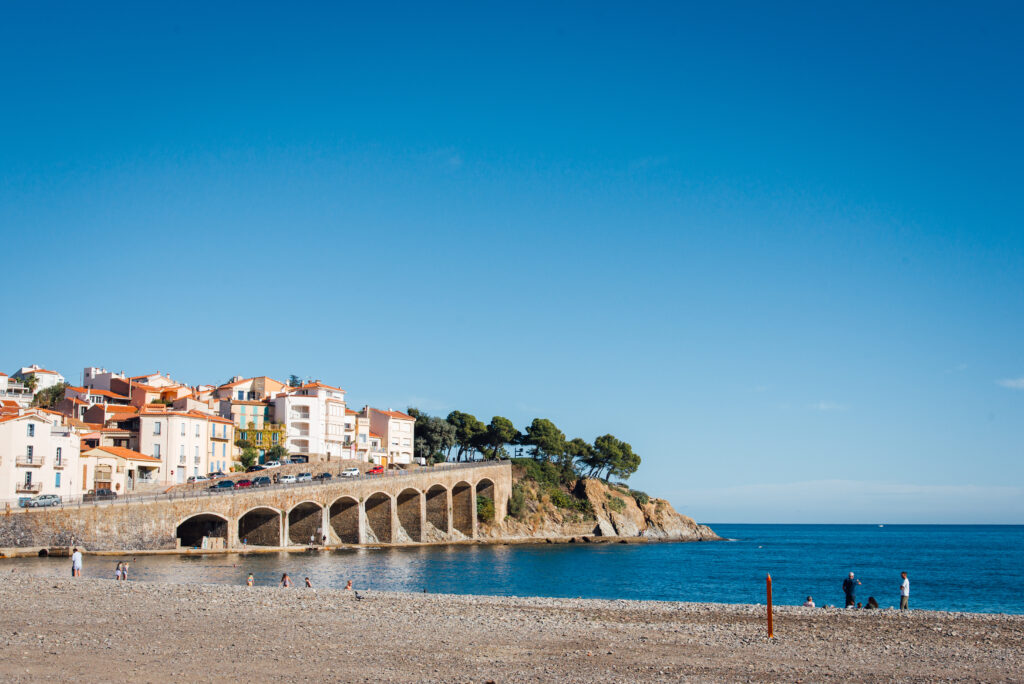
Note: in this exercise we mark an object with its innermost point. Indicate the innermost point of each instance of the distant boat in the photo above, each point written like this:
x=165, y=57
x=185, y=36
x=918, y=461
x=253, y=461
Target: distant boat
x=881, y=525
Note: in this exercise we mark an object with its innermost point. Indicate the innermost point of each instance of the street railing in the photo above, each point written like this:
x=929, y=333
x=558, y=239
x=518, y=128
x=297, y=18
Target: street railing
x=184, y=492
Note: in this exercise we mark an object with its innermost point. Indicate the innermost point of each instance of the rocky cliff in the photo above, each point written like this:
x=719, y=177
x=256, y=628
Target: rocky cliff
x=591, y=508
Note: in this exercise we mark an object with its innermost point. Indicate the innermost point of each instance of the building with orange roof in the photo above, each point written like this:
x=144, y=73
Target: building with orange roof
x=39, y=454
x=119, y=469
x=44, y=378
x=396, y=429
x=13, y=390
x=187, y=443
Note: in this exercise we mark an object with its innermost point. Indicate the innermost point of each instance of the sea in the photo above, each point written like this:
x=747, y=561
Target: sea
x=974, y=568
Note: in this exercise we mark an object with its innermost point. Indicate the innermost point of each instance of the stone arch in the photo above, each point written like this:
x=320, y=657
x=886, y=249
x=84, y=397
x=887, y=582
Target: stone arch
x=485, y=490
x=192, y=529
x=378, y=517
x=260, y=526
x=409, y=513
x=463, y=508
x=437, y=507
x=305, y=522
x=344, y=515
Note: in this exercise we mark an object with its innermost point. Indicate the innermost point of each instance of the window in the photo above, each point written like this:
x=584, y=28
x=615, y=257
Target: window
x=406, y=442
x=197, y=453
x=156, y=451
x=57, y=481
x=28, y=453
x=31, y=430
x=362, y=438
x=223, y=452
x=181, y=453
x=58, y=463
x=274, y=438
x=243, y=435
x=156, y=428
x=241, y=395
x=197, y=429
x=182, y=429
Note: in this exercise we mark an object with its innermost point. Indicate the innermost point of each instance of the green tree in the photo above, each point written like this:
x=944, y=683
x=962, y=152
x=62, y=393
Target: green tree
x=499, y=432
x=276, y=453
x=434, y=436
x=248, y=457
x=243, y=443
x=294, y=380
x=546, y=440
x=31, y=382
x=468, y=433
x=612, y=456
x=48, y=397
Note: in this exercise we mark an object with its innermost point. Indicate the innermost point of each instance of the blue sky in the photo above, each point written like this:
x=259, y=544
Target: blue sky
x=778, y=248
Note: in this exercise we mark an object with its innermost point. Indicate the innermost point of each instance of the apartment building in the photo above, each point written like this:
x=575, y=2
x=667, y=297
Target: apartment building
x=186, y=443
x=44, y=378
x=395, y=430
x=13, y=390
x=39, y=454
x=314, y=416
x=119, y=469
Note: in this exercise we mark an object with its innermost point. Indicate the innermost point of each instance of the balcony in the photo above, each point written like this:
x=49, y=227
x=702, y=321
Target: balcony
x=33, y=462
x=60, y=431
x=298, y=415
x=58, y=465
x=196, y=460
x=29, y=487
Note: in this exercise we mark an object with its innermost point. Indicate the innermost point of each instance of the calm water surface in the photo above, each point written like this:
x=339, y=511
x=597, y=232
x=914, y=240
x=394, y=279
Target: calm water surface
x=971, y=568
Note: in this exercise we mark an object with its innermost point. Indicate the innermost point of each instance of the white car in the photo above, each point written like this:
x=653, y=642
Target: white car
x=350, y=472
x=272, y=464
x=304, y=477
x=286, y=479
x=198, y=478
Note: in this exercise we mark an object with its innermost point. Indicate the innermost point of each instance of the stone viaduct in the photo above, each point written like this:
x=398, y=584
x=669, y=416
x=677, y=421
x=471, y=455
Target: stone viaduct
x=424, y=505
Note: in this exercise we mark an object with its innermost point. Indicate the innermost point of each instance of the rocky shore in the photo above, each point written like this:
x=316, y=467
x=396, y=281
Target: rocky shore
x=101, y=630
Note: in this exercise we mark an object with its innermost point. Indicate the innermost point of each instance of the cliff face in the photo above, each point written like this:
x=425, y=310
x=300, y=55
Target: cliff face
x=593, y=508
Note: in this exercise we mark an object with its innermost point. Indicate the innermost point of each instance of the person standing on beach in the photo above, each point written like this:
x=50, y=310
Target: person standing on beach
x=308, y=583
x=904, y=592
x=117, y=571
x=76, y=563
x=286, y=581
x=850, y=589
x=250, y=580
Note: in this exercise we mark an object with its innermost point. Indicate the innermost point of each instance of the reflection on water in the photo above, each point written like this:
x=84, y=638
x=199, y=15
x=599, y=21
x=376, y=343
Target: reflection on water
x=803, y=559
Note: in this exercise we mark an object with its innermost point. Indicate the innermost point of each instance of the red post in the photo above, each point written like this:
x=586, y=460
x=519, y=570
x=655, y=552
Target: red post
x=771, y=635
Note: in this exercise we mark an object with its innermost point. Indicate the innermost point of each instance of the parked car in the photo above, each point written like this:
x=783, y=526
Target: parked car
x=44, y=500
x=272, y=464
x=262, y=481
x=304, y=477
x=420, y=460
x=221, y=486
x=376, y=470
x=300, y=459
x=286, y=479
x=323, y=476
x=255, y=468
x=23, y=501
x=99, y=495
x=198, y=478
x=214, y=476
x=243, y=483
x=350, y=472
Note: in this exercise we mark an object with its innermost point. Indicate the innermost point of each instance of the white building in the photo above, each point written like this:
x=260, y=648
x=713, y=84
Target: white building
x=12, y=390
x=315, y=418
x=395, y=430
x=38, y=455
x=187, y=443
x=44, y=378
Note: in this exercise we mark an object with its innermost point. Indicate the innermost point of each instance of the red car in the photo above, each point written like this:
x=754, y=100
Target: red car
x=376, y=470
x=243, y=483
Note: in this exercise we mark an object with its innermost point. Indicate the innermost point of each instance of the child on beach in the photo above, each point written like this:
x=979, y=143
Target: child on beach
x=250, y=580
x=286, y=581
x=308, y=583
x=117, y=571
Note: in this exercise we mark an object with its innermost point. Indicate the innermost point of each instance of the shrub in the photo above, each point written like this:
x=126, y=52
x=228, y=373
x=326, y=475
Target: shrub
x=641, y=498
x=544, y=472
x=616, y=504
x=517, y=502
x=484, y=508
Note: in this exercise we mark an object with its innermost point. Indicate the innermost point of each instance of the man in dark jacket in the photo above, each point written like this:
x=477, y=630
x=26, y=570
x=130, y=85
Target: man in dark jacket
x=850, y=589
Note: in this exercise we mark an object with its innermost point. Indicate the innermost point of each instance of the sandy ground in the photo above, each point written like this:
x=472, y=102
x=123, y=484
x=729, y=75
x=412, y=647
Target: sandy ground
x=100, y=630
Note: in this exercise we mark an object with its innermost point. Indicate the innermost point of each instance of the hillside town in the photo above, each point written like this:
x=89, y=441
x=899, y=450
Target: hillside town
x=145, y=433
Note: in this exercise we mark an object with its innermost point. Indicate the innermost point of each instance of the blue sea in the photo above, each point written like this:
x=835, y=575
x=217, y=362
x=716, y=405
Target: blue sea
x=975, y=568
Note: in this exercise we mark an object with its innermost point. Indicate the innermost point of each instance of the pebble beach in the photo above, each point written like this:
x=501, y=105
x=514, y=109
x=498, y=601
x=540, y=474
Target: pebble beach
x=100, y=630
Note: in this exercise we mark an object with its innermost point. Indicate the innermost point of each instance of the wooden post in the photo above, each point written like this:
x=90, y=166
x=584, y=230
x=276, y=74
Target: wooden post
x=771, y=635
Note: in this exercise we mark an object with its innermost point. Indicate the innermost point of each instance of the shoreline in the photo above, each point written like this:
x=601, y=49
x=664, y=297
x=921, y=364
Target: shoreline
x=102, y=630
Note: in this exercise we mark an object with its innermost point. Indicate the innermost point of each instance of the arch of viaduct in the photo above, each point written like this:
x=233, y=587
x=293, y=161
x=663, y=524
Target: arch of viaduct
x=428, y=505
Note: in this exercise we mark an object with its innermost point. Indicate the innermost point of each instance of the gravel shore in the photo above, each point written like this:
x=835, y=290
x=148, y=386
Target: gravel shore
x=101, y=630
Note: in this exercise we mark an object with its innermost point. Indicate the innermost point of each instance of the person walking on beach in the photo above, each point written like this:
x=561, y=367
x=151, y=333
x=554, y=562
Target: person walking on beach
x=117, y=571
x=850, y=589
x=904, y=592
x=286, y=581
x=76, y=563
x=124, y=571
x=250, y=580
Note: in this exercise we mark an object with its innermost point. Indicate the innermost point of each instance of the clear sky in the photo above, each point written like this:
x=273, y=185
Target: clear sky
x=777, y=247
